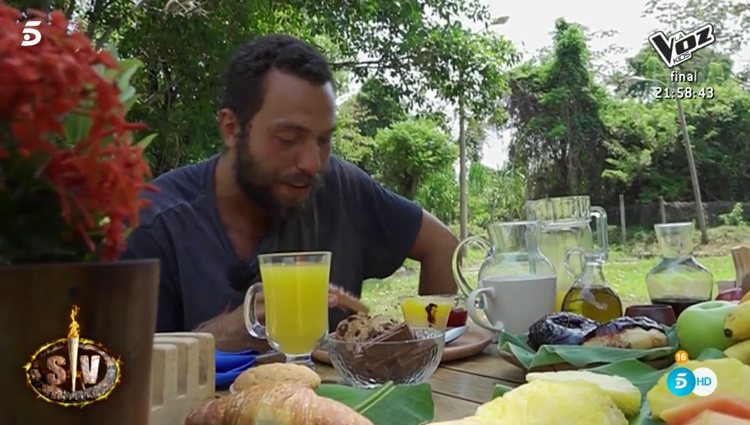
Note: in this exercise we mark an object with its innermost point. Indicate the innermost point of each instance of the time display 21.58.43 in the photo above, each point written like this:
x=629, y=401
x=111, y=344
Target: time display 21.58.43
x=684, y=92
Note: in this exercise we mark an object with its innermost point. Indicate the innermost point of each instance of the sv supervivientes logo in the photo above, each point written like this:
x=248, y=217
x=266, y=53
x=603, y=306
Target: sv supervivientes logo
x=31, y=35
x=679, y=47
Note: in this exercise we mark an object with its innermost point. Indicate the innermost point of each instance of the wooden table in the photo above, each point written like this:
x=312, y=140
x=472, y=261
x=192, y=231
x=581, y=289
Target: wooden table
x=459, y=387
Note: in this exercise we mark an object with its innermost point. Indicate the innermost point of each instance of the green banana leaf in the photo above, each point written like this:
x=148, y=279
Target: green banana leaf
x=643, y=376
x=387, y=405
x=579, y=355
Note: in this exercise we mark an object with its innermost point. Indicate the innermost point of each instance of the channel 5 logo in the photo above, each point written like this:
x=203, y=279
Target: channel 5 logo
x=682, y=381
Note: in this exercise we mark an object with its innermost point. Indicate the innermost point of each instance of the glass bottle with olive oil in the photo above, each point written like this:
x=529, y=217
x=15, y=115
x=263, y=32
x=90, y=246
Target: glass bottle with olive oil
x=591, y=296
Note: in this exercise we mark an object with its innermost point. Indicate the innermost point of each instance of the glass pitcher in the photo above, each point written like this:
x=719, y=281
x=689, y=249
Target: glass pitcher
x=565, y=225
x=678, y=280
x=590, y=295
x=512, y=252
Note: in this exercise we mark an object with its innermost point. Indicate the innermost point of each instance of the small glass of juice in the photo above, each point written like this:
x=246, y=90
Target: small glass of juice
x=427, y=311
x=459, y=314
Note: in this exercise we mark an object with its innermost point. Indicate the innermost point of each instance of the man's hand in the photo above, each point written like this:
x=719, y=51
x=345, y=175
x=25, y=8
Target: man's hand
x=230, y=333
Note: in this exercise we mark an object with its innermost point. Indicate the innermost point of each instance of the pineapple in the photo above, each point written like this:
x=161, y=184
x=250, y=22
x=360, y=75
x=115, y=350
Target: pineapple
x=625, y=395
x=547, y=402
x=732, y=378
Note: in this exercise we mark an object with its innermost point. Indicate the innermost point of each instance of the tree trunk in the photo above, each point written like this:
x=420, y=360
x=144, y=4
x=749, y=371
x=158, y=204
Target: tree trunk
x=462, y=168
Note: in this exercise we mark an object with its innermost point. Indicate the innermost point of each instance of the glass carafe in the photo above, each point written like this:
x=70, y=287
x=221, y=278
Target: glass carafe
x=512, y=251
x=678, y=279
x=566, y=223
x=590, y=295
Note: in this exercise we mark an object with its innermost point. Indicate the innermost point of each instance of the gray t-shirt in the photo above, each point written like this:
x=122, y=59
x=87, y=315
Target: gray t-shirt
x=368, y=229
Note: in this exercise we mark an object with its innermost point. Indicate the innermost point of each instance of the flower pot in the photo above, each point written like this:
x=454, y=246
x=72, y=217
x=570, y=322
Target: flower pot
x=117, y=309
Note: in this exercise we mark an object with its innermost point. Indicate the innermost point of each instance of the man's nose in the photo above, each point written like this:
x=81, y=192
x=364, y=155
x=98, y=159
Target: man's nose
x=310, y=159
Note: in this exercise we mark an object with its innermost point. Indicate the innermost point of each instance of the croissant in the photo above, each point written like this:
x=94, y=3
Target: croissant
x=283, y=403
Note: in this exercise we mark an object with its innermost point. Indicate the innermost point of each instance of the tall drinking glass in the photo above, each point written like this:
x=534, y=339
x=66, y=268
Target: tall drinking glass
x=295, y=291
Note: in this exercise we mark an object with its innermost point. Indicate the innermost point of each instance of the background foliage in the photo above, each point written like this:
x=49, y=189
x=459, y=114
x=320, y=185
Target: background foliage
x=405, y=69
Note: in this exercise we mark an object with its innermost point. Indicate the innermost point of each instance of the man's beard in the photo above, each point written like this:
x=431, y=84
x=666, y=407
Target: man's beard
x=257, y=186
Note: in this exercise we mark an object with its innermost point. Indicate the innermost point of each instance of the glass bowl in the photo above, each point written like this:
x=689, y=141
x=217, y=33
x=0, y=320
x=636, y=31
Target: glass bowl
x=372, y=364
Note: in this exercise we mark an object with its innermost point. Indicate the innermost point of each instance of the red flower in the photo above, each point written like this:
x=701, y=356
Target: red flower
x=98, y=178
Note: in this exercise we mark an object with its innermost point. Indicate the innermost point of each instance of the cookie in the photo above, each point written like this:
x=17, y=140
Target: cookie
x=277, y=372
x=362, y=327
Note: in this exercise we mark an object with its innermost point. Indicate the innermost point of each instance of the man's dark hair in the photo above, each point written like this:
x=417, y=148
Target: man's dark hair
x=244, y=80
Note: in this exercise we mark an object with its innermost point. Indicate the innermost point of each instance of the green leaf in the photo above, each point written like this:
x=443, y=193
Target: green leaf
x=129, y=103
x=578, y=355
x=388, y=405
x=127, y=93
x=500, y=390
x=76, y=127
x=143, y=143
x=128, y=68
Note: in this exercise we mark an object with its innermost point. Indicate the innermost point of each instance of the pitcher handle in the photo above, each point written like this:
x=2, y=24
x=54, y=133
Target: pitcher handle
x=602, y=232
x=458, y=257
x=566, y=261
x=252, y=324
x=471, y=306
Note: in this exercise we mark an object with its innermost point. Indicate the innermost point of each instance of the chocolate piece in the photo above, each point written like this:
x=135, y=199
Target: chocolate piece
x=401, y=332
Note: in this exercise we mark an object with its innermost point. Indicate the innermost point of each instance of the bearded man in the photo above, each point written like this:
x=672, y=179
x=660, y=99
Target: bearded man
x=276, y=187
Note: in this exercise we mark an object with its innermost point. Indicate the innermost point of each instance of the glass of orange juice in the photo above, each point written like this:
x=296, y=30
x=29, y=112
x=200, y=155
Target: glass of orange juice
x=427, y=311
x=295, y=291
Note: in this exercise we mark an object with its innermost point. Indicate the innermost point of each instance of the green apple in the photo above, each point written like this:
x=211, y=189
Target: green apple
x=701, y=326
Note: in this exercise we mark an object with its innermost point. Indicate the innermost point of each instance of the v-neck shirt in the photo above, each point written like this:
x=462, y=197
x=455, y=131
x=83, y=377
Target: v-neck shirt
x=368, y=229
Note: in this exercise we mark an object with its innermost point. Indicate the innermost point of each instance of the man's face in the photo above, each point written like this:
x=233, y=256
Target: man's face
x=279, y=158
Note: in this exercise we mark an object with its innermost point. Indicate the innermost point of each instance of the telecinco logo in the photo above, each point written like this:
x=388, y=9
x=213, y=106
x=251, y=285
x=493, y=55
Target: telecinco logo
x=31, y=35
x=682, y=381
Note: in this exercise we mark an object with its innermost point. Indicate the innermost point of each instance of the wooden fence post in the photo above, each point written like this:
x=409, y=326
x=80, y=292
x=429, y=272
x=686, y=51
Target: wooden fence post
x=622, y=219
x=662, y=209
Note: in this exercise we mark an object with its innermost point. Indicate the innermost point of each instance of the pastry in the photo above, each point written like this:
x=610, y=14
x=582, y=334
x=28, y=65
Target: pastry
x=277, y=372
x=284, y=403
x=628, y=332
x=560, y=328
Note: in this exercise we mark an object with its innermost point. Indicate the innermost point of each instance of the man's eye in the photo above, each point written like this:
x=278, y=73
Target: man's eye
x=287, y=142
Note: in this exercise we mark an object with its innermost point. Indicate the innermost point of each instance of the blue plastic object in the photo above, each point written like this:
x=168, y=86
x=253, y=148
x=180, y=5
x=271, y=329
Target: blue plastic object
x=229, y=365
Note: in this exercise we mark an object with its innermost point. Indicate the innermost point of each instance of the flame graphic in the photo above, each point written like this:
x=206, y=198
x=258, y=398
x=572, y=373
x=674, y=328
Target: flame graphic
x=73, y=333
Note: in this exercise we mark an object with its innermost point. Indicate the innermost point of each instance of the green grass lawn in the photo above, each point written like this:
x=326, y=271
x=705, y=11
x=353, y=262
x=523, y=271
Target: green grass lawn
x=625, y=271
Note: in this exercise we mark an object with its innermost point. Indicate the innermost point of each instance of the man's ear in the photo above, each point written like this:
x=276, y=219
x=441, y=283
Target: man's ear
x=228, y=126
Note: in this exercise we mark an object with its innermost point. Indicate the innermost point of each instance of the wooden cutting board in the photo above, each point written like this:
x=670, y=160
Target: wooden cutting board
x=183, y=375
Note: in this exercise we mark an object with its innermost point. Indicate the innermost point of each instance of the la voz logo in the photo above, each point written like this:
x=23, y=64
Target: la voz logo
x=679, y=47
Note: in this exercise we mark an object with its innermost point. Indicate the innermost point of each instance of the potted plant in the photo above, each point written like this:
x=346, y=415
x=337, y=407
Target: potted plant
x=76, y=324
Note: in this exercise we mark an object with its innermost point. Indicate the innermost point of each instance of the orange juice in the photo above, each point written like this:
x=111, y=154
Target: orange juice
x=427, y=311
x=296, y=303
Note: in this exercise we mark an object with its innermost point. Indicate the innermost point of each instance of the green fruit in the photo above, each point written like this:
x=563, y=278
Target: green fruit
x=701, y=326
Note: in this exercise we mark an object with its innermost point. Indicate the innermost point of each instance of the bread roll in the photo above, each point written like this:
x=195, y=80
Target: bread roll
x=276, y=372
